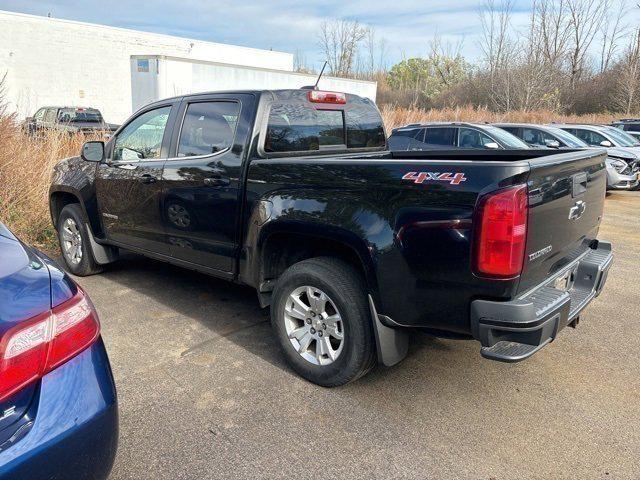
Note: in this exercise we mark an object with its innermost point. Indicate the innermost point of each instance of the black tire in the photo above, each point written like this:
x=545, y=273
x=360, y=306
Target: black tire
x=347, y=290
x=87, y=264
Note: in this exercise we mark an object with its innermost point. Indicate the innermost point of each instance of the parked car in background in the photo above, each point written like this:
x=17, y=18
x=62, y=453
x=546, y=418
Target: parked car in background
x=67, y=119
x=58, y=407
x=542, y=136
x=620, y=175
x=630, y=125
x=620, y=147
x=602, y=136
x=448, y=135
x=294, y=193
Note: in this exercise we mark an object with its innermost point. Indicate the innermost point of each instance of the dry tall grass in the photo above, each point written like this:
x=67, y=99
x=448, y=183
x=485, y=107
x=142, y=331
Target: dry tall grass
x=25, y=175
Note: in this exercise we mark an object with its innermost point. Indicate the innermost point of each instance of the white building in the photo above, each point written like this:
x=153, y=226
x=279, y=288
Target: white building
x=61, y=62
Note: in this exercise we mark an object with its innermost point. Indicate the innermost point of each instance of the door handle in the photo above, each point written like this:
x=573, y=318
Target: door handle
x=147, y=178
x=216, y=181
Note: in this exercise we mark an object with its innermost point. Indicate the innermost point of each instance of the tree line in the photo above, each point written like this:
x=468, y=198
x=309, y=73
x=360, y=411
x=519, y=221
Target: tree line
x=572, y=57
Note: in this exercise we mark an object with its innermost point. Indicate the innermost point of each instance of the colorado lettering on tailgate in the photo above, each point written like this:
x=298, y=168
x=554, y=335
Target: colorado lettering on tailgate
x=421, y=177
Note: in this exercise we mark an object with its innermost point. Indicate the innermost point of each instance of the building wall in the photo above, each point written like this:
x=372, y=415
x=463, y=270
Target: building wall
x=59, y=62
x=163, y=77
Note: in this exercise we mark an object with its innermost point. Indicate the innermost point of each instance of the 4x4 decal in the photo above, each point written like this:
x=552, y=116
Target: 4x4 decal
x=421, y=177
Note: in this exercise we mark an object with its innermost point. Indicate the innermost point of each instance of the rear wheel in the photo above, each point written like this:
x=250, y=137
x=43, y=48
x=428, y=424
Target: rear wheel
x=74, y=242
x=321, y=318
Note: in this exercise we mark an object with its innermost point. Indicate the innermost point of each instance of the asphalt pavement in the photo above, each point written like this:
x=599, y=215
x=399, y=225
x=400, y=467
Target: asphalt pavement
x=205, y=393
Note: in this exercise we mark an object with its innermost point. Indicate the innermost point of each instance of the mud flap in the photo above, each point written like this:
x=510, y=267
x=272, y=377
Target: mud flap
x=102, y=254
x=392, y=344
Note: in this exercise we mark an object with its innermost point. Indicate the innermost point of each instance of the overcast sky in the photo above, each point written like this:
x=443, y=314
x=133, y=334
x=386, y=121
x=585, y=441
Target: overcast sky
x=286, y=25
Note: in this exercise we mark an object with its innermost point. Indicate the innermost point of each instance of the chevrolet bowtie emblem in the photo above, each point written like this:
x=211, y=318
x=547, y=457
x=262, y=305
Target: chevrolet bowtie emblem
x=577, y=210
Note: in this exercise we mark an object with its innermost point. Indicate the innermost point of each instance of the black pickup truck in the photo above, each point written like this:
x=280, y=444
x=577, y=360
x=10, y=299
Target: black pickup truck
x=352, y=246
x=67, y=119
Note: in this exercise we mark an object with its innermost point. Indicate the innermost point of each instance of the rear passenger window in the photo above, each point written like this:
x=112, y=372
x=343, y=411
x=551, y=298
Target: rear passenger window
x=208, y=128
x=440, y=137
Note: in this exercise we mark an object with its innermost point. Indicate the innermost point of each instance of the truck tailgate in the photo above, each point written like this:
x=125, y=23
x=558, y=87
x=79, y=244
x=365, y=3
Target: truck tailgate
x=566, y=200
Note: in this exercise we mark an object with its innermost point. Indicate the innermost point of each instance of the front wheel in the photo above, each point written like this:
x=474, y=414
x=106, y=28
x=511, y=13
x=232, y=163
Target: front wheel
x=322, y=321
x=74, y=242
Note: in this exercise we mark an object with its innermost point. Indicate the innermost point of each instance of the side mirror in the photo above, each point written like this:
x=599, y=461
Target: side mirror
x=492, y=146
x=606, y=143
x=92, y=151
x=552, y=143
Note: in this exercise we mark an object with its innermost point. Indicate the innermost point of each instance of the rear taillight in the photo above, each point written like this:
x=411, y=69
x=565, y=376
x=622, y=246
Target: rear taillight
x=318, y=96
x=501, y=233
x=34, y=348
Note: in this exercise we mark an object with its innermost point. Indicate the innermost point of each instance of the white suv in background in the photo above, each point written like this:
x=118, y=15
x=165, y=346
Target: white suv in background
x=623, y=151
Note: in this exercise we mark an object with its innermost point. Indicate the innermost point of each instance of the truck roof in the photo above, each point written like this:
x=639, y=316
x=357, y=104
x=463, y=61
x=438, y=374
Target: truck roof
x=275, y=92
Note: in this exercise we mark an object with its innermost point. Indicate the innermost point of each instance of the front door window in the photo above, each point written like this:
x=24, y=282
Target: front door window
x=142, y=138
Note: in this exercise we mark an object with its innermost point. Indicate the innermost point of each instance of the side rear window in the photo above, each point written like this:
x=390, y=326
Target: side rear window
x=208, y=128
x=296, y=127
x=440, y=137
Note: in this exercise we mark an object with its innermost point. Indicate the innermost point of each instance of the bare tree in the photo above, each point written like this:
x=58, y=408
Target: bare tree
x=612, y=31
x=375, y=57
x=495, y=19
x=550, y=30
x=498, y=50
x=585, y=20
x=628, y=84
x=300, y=62
x=339, y=41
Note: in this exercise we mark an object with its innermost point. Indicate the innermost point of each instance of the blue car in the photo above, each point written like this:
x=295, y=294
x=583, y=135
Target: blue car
x=58, y=406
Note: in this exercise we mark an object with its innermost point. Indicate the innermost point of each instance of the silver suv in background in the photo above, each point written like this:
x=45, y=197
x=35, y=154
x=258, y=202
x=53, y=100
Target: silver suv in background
x=619, y=174
x=630, y=125
x=448, y=135
x=620, y=146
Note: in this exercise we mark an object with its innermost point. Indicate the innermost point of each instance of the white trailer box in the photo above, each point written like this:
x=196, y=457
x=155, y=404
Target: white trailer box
x=154, y=77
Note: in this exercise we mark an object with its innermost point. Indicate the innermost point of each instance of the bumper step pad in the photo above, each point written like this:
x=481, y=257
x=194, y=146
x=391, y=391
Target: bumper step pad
x=510, y=351
x=514, y=330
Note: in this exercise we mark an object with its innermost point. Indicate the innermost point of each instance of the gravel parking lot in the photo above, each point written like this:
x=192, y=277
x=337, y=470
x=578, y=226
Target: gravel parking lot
x=205, y=393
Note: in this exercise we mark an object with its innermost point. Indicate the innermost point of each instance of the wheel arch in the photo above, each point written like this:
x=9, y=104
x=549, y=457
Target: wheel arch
x=60, y=197
x=281, y=246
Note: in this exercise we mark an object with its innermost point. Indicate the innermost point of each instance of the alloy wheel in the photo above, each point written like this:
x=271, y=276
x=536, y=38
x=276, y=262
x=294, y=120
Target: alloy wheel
x=71, y=241
x=314, y=325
